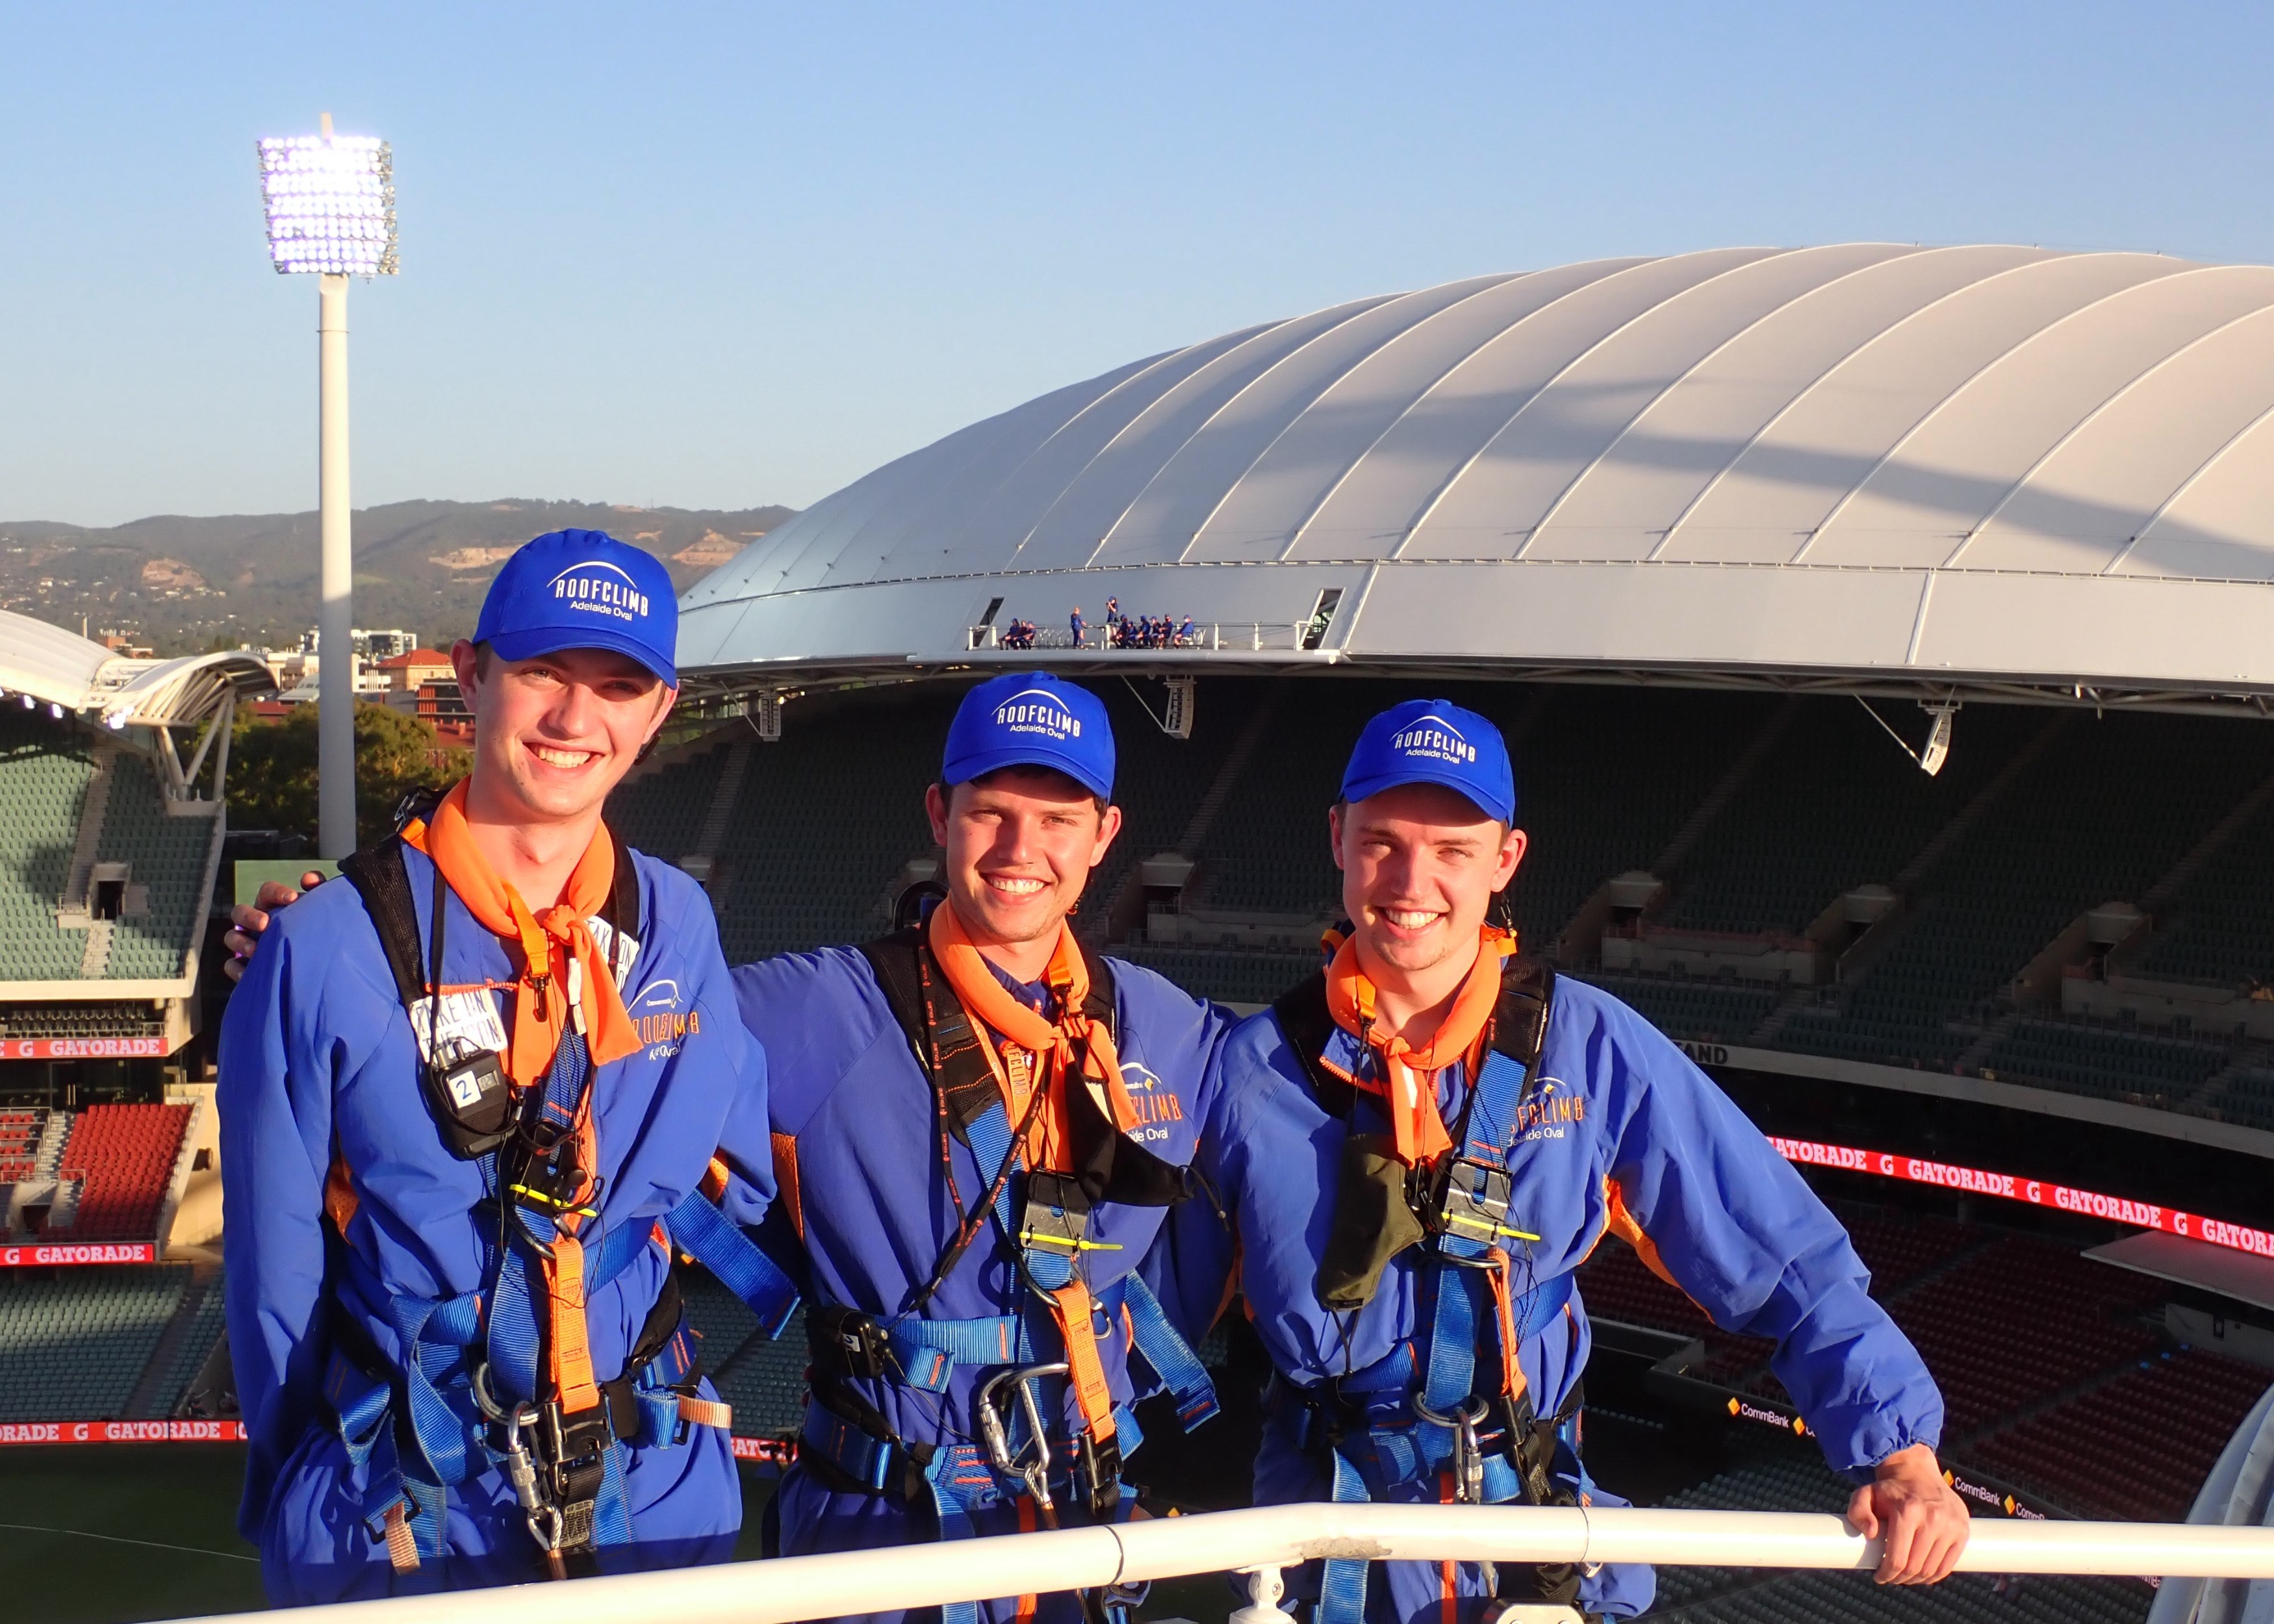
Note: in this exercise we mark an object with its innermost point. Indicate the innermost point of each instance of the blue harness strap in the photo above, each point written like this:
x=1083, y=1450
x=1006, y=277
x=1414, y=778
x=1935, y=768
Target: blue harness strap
x=717, y=1242
x=1171, y=1356
x=1460, y=1301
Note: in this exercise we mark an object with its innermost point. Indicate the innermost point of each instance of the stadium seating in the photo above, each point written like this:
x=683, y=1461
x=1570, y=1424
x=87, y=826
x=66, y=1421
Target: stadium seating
x=661, y=813
x=2077, y=1058
x=824, y=821
x=44, y=774
x=2137, y=1447
x=1833, y=805
x=2249, y=1097
x=1712, y=1012
x=2213, y=928
x=1233, y=977
x=1778, y=1475
x=2107, y=810
x=73, y=1341
x=123, y=1158
x=192, y=1350
x=19, y=1144
x=764, y=1381
x=167, y=858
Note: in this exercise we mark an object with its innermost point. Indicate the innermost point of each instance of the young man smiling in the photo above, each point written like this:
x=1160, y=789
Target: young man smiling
x=1416, y=1147
x=977, y=1129
x=457, y=1163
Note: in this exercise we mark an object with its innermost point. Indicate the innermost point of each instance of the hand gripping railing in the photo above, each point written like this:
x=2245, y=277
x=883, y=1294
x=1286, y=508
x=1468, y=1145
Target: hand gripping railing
x=1271, y=1537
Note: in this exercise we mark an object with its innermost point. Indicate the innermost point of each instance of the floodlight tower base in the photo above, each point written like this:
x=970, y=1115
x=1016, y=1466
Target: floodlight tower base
x=335, y=797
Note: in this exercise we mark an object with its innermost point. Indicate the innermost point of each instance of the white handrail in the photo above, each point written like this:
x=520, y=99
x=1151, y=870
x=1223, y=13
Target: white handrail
x=1274, y=1537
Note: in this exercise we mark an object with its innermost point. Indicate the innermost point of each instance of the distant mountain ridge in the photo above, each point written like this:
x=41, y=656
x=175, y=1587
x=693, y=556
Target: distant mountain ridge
x=183, y=584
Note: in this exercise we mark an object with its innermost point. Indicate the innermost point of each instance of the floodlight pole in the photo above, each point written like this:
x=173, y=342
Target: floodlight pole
x=335, y=786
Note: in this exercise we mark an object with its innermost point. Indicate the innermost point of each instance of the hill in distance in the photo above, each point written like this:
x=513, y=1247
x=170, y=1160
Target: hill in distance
x=185, y=584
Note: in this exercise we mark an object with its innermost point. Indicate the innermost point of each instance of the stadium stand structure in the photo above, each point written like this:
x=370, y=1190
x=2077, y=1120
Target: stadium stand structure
x=185, y=1343
x=2058, y=1375
x=1744, y=868
x=1791, y=1477
x=122, y=1159
x=101, y=1174
x=75, y=1342
x=44, y=776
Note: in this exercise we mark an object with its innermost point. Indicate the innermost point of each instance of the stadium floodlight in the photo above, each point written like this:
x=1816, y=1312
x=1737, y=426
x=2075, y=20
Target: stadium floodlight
x=330, y=204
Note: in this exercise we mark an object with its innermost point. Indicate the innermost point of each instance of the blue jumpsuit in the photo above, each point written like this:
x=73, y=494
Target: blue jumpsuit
x=1621, y=1134
x=854, y=1117
x=317, y=1060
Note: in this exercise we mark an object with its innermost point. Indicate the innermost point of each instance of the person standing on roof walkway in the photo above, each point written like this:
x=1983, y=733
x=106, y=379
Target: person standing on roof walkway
x=469, y=1106
x=977, y=1129
x=1417, y=1146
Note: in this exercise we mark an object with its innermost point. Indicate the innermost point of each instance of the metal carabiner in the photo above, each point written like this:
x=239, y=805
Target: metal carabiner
x=542, y=1517
x=1468, y=1453
x=1036, y=1472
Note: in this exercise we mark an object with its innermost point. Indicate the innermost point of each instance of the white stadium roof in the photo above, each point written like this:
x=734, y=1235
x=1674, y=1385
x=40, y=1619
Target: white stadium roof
x=49, y=666
x=1871, y=466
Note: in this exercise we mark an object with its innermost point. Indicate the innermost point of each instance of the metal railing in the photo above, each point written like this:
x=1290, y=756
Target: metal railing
x=1267, y=1540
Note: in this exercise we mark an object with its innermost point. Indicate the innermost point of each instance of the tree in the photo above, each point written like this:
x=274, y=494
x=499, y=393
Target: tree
x=272, y=769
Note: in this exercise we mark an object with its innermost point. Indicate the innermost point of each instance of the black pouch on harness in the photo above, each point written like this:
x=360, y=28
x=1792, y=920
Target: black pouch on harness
x=469, y=1096
x=1373, y=1222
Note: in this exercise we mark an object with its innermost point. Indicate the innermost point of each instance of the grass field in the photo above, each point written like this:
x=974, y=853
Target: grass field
x=124, y=1532
x=102, y=1535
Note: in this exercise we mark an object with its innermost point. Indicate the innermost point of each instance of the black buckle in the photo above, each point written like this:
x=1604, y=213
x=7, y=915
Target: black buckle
x=1470, y=1200
x=856, y=1339
x=544, y=1174
x=1098, y=1467
x=1056, y=1218
x=574, y=1449
x=1529, y=1444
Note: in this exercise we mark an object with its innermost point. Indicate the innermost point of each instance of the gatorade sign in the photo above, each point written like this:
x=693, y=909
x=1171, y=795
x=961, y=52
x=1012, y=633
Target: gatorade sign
x=766, y=1451
x=85, y=1251
x=122, y=1432
x=82, y=1048
x=2035, y=1192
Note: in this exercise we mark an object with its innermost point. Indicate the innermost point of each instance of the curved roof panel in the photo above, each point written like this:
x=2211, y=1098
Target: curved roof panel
x=54, y=667
x=1864, y=464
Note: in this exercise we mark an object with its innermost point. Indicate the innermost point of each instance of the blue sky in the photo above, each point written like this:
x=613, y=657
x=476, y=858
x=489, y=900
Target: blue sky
x=732, y=255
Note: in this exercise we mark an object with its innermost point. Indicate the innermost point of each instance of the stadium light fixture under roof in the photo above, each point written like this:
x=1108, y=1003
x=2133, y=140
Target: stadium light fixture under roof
x=330, y=203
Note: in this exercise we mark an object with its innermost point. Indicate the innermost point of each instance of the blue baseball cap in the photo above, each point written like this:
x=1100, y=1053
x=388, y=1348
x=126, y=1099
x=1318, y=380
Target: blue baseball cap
x=1031, y=719
x=1434, y=741
x=582, y=589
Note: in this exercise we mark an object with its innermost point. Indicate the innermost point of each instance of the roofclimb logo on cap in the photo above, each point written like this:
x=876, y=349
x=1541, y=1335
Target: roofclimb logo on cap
x=1038, y=711
x=597, y=587
x=1435, y=739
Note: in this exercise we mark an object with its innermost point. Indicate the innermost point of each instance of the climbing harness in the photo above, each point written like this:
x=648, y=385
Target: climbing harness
x=1041, y=1216
x=502, y=1377
x=1419, y=1415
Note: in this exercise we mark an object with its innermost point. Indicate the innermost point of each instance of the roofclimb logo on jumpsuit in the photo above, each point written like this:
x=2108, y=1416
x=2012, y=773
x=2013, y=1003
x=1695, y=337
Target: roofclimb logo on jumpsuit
x=597, y=587
x=1038, y=711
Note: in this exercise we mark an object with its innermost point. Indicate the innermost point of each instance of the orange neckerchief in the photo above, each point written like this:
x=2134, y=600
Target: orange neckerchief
x=1404, y=1073
x=550, y=942
x=1052, y=1045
